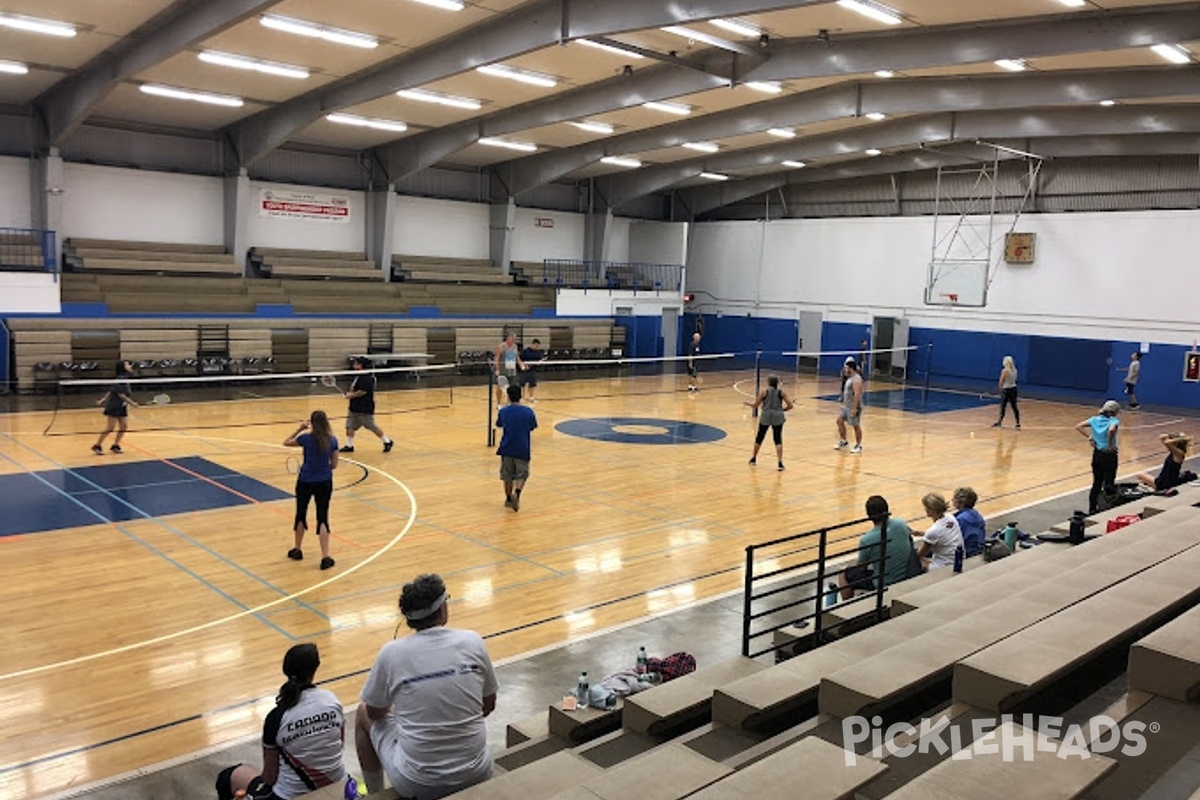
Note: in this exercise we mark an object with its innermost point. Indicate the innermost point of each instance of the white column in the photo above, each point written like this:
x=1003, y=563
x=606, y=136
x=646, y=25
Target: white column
x=238, y=208
x=500, y=233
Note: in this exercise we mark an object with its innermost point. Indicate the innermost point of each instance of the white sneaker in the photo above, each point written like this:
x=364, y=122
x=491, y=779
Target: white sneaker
x=841, y=445
x=856, y=449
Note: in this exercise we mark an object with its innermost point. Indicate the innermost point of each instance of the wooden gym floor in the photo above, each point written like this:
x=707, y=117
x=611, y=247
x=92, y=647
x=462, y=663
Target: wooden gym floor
x=156, y=629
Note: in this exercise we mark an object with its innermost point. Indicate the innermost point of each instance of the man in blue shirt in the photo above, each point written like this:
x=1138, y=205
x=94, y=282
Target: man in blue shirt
x=517, y=422
x=1101, y=431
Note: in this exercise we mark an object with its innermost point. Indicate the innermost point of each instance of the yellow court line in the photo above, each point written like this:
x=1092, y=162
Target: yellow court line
x=241, y=614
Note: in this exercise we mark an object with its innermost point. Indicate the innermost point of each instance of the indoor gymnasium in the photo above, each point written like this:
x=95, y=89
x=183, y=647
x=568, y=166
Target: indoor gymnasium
x=551, y=399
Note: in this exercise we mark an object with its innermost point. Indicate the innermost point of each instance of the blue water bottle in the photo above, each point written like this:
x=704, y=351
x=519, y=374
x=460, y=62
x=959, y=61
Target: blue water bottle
x=958, y=558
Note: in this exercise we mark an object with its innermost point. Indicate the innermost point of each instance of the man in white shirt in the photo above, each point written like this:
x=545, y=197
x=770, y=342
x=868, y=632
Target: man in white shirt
x=422, y=714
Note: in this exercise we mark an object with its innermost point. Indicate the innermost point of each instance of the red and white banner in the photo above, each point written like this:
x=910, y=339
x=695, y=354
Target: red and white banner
x=287, y=204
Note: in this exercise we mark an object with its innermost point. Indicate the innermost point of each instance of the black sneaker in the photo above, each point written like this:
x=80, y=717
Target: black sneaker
x=327, y=562
x=516, y=503
x=753, y=462
x=97, y=449
x=116, y=448
x=387, y=446
x=780, y=467
x=997, y=425
x=346, y=449
x=508, y=502
x=295, y=554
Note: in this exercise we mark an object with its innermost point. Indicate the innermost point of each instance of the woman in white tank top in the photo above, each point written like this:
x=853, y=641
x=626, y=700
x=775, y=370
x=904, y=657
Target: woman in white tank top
x=1008, y=392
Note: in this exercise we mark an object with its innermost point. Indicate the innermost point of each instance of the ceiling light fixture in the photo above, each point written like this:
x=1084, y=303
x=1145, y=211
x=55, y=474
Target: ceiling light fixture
x=593, y=127
x=1107, y=103
x=875, y=116
x=366, y=122
x=13, y=68
x=702, y=147
x=873, y=151
x=1011, y=64
x=314, y=31
x=740, y=27
x=48, y=27
x=876, y=11
x=884, y=73
x=782, y=133
x=678, y=109
x=159, y=90
x=1073, y=3
x=681, y=31
x=1175, y=53
x=795, y=164
x=448, y=5
x=714, y=176
x=608, y=48
x=618, y=161
x=769, y=87
x=522, y=146
x=453, y=101
x=519, y=75
x=252, y=64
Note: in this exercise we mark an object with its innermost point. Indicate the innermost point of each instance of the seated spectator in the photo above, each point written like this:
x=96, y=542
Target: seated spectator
x=421, y=717
x=970, y=521
x=302, y=738
x=897, y=553
x=943, y=537
x=1170, y=475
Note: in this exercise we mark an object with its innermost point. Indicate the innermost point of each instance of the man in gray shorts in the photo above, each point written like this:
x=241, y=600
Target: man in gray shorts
x=851, y=411
x=517, y=422
x=362, y=408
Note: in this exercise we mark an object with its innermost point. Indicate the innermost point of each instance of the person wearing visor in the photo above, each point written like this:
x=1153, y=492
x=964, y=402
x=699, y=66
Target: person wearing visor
x=421, y=720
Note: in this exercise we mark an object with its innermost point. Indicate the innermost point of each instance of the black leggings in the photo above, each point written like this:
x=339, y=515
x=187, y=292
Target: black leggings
x=1104, y=476
x=776, y=431
x=321, y=491
x=1010, y=398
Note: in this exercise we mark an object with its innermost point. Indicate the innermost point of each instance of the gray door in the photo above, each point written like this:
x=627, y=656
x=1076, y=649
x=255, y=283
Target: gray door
x=810, y=339
x=670, y=331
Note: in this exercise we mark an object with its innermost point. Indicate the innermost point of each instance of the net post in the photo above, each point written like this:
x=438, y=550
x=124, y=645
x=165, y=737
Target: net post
x=491, y=429
x=757, y=378
x=928, y=371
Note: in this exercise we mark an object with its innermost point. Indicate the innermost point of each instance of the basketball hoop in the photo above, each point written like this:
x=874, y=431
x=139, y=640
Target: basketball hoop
x=949, y=298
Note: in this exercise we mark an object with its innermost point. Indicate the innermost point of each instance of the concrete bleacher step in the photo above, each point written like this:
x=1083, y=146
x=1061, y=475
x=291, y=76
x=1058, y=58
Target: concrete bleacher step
x=542, y=779
x=668, y=772
x=284, y=252
x=683, y=703
x=118, y=244
x=533, y=749
x=811, y=768
x=334, y=272
x=525, y=729
x=1167, y=662
x=166, y=267
x=87, y=253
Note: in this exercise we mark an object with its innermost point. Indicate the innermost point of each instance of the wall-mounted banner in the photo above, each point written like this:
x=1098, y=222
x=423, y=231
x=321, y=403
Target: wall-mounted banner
x=289, y=204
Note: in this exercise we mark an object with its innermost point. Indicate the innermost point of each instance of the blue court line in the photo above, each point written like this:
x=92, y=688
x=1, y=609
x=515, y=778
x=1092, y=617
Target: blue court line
x=172, y=529
x=146, y=545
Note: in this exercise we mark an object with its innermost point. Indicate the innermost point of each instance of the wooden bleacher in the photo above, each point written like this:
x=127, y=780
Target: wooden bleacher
x=1167, y=662
x=21, y=251
x=315, y=264
x=158, y=258
x=433, y=269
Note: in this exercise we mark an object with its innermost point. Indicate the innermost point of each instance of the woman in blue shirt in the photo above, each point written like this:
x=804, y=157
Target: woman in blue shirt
x=315, y=481
x=1101, y=431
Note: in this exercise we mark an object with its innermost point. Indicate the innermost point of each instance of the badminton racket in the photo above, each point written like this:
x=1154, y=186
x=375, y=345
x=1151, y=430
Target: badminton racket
x=160, y=400
x=331, y=382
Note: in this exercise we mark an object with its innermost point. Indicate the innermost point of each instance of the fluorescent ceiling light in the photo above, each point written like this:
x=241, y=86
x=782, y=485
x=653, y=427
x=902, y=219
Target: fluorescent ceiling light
x=782, y=133
x=449, y=5
x=1175, y=53
x=522, y=146
x=884, y=73
x=875, y=116
x=740, y=27
x=795, y=164
x=520, y=75
x=1011, y=64
x=594, y=127
x=873, y=151
x=877, y=12
x=13, y=68
x=608, y=48
x=703, y=147
x=426, y=96
x=365, y=122
x=310, y=29
x=196, y=97
x=252, y=64
x=34, y=25
x=1073, y=3
x=1107, y=103
x=618, y=161
x=714, y=176
x=770, y=87
x=680, y=30
x=679, y=109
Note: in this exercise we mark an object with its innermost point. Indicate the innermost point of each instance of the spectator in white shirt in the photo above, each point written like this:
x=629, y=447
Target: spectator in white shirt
x=943, y=537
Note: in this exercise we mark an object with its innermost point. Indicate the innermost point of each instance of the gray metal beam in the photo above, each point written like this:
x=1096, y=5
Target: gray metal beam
x=968, y=44
x=527, y=28
x=68, y=103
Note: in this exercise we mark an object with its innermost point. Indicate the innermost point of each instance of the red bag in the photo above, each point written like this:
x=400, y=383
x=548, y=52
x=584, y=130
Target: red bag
x=1123, y=521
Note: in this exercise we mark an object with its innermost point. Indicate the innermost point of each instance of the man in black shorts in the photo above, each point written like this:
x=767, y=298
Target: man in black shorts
x=528, y=376
x=693, y=362
x=362, y=407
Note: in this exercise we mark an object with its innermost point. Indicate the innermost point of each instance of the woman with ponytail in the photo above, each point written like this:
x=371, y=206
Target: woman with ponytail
x=302, y=738
x=315, y=481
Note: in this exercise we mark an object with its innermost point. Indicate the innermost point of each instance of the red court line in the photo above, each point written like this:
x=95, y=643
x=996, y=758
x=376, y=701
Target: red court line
x=236, y=493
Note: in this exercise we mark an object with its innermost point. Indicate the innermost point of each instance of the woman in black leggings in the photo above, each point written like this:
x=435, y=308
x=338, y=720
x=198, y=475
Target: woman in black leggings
x=1008, y=392
x=315, y=481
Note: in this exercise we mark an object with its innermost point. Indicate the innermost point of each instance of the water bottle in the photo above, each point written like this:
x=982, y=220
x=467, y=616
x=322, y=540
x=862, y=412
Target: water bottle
x=1077, y=525
x=1010, y=536
x=958, y=558
x=582, y=690
x=642, y=661
x=831, y=595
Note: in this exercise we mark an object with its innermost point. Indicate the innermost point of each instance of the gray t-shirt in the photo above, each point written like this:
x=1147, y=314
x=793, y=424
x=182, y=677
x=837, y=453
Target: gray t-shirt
x=435, y=681
x=848, y=390
x=772, y=408
x=1135, y=369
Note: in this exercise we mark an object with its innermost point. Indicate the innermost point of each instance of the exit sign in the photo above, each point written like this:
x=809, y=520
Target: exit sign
x=543, y=222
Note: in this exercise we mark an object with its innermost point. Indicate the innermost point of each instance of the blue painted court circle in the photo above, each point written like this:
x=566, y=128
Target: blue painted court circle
x=640, y=430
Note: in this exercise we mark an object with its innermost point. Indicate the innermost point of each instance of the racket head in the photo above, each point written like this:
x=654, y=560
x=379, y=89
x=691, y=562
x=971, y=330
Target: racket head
x=329, y=380
x=292, y=465
x=161, y=399
x=502, y=382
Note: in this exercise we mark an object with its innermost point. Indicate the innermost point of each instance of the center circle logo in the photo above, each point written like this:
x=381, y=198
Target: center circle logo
x=640, y=430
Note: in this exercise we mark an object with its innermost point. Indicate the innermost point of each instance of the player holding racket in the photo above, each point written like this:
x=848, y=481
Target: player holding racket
x=505, y=364
x=315, y=481
x=361, y=395
x=116, y=401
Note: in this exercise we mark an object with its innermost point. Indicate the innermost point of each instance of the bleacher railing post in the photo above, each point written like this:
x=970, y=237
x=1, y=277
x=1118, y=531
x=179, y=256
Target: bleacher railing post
x=882, y=580
x=820, y=593
x=746, y=610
